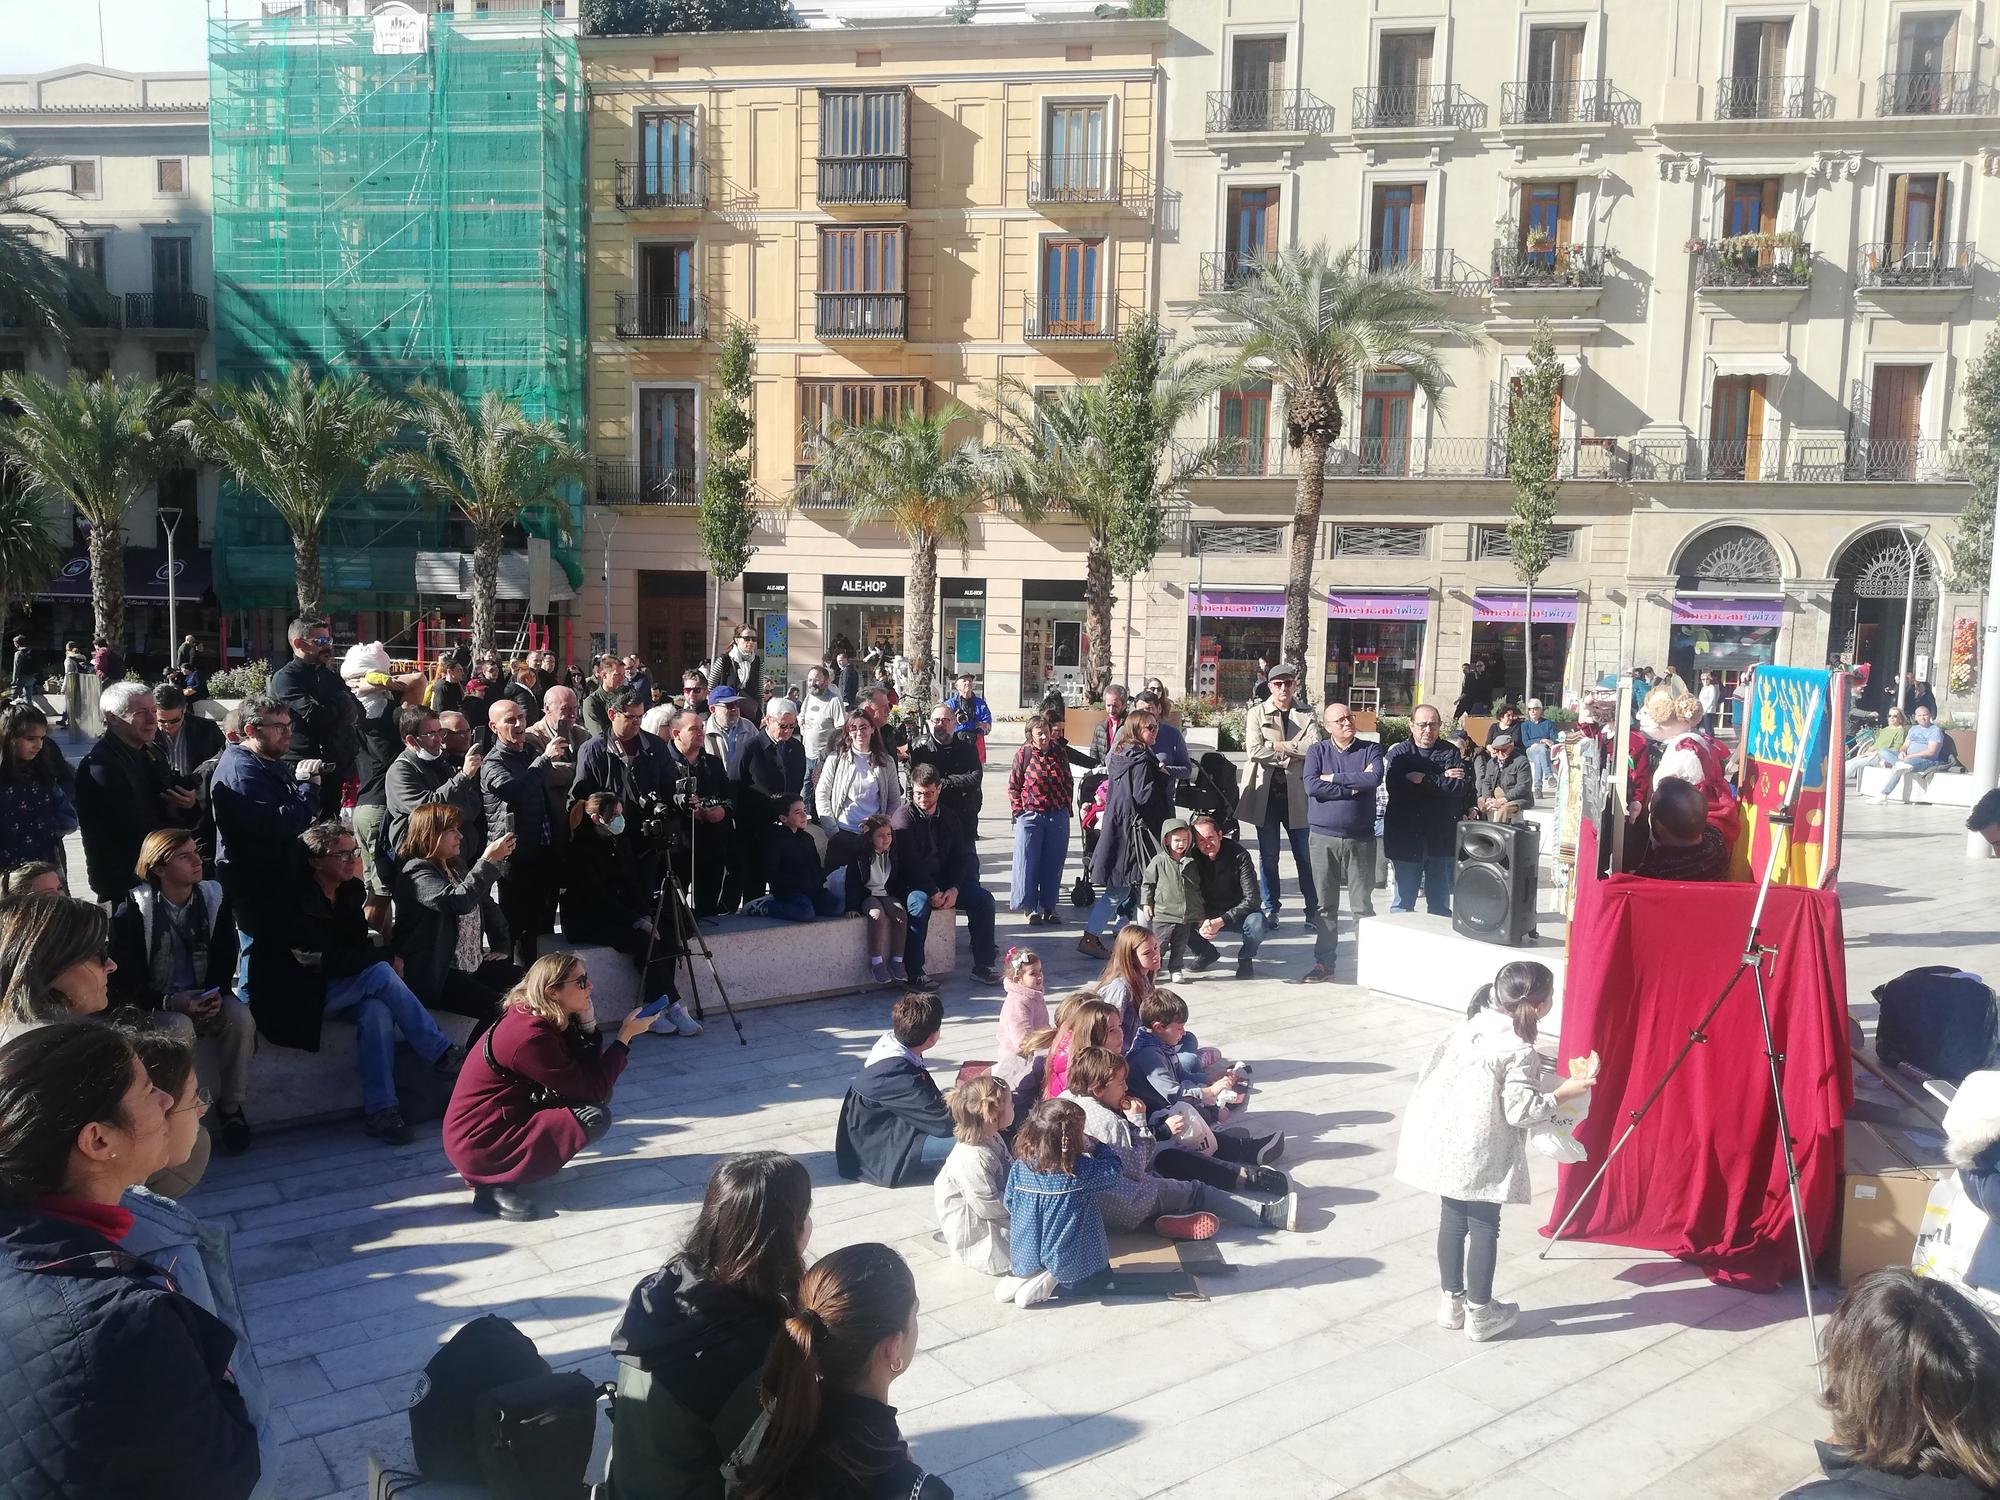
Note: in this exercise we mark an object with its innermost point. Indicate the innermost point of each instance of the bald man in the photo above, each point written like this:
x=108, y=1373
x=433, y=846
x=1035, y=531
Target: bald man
x=557, y=736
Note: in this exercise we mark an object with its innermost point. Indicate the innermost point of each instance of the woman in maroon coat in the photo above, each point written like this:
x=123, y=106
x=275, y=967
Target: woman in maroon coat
x=533, y=1092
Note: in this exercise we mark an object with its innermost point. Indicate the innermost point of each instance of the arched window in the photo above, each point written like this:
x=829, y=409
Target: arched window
x=1728, y=555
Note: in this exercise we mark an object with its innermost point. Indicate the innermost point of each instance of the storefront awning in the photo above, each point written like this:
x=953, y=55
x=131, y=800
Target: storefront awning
x=1711, y=610
x=1253, y=604
x=1373, y=606
x=449, y=574
x=145, y=574
x=1751, y=364
x=1550, y=609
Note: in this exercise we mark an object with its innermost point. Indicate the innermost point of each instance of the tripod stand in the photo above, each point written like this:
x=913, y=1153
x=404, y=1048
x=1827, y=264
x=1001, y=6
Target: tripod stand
x=1751, y=962
x=687, y=926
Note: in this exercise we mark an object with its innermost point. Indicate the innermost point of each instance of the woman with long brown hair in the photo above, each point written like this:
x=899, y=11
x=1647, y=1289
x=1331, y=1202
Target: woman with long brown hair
x=35, y=811
x=1138, y=800
x=449, y=932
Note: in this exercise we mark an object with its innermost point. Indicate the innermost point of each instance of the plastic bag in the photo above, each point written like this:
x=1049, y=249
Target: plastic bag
x=1555, y=1137
x=1948, y=1234
x=1197, y=1136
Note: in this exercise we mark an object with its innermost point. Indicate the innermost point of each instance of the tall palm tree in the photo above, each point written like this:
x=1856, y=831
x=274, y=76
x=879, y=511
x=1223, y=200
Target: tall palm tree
x=299, y=442
x=495, y=466
x=97, y=445
x=912, y=473
x=37, y=290
x=1314, y=323
x=1067, y=439
x=29, y=545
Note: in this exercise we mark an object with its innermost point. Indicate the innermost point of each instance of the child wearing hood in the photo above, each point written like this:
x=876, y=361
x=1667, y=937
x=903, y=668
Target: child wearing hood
x=1170, y=896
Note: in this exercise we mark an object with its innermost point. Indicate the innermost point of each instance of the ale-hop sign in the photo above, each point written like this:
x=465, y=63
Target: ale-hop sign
x=852, y=586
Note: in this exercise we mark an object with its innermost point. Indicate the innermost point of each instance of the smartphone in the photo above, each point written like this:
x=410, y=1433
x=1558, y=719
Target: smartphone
x=657, y=1006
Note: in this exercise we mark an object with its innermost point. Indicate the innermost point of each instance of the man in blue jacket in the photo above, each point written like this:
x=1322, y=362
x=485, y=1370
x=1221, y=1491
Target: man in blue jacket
x=262, y=803
x=1341, y=774
x=894, y=1125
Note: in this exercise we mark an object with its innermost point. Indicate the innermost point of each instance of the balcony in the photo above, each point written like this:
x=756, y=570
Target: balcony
x=1055, y=318
x=670, y=317
x=866, y=180
x=1919, y=266
x=652, y=184
x=1537, y=280
x=1417, y=106
x=1552, y=101
x=1675, y=460
x=1440, y=270
x=1754, y=97
x=624, y=482
x=1225, y=271
x=95, y=310
x=1408, y=458
x=166, y=312
x=808, y=496
x=1887, y=461
x=1932, y=94
x=869, y=316
x=1815, y=461
x=1268, y=112
x=1102, y=179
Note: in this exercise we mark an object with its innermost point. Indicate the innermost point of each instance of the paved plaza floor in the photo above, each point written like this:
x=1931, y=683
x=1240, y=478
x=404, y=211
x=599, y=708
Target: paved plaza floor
x=1313, y=1370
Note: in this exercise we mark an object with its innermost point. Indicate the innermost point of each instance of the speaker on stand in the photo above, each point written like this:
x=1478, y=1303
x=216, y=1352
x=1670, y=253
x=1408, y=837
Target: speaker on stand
x=1493, y=892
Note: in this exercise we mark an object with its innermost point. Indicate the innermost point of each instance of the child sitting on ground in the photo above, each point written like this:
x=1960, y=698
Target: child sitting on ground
x=1024, y=1011
x=971, y=1215
x=1162, y=1079
x=1170, y=896
x=1094, y=1024
x=893, y=1122
x=1181, y=1192
x=1055, y=1227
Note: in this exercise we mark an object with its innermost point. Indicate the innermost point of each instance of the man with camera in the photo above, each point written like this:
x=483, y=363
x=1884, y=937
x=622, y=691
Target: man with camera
x=424, y=774
x=952, y=750
x=935, y=869
x=698, y=821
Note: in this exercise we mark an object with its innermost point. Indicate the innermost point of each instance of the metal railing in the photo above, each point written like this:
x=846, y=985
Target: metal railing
x=1105, y=178
x=862, y=315
x=864, y=179
x=1283, y=111
x=1809, y=461
x=1673, y=460
x=1441, y=270
x=1751, y=96
x=1057, y=317
x=1555, y=101
x=635, y=482
x=662, y=184
x=1225, y=271
x=1410, y=458
x=166, y=310
x=1438, y=106
x=1919, y=263
x=96, y=309
x=1886, y=460
x=1527, y=268
x=808, y=495
x=659, y=317
x=1932, y=94
x=1754, y=261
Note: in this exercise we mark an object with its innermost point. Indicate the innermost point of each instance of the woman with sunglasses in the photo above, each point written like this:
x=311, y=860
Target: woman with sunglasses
x=534, y=1091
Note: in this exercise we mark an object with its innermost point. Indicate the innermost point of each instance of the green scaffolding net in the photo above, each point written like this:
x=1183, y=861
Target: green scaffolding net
x=409, y=206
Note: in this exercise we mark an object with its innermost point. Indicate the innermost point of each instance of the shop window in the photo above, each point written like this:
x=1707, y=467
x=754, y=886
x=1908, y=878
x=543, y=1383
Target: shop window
x=1228, y=633
x=1381, y=541
x=1490, y=544
x=1374, y=666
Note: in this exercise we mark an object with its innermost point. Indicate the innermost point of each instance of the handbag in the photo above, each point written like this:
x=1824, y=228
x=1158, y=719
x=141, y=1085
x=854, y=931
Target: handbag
x=540, y=1096
x=534, y=1437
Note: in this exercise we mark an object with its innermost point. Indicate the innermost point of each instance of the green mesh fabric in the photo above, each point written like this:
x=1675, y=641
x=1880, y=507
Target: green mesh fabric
x=412, y=216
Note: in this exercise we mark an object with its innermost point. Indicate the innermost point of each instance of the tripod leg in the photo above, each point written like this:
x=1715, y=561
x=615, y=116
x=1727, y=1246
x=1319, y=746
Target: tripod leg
x=1791, y=1177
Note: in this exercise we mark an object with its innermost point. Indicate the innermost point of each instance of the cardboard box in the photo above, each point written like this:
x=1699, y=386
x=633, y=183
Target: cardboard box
x=1888, y=1177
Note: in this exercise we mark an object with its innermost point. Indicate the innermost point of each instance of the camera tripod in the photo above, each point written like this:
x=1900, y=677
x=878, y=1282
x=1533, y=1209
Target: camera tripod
x=1752, y=961
x=687, y=931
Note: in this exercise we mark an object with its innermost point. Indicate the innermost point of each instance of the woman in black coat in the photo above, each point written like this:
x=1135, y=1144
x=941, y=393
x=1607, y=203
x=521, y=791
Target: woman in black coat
x=449, y=933
x=604, y=901
x=112, y=1384
x=1138, y=800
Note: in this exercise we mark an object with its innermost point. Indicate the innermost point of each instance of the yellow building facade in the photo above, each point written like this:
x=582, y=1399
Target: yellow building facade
x=902, y=219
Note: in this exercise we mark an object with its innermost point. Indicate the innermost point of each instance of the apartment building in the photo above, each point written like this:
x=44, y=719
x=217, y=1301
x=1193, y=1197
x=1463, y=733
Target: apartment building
x=1761, y=237
x=129, y=195
x=903, y=214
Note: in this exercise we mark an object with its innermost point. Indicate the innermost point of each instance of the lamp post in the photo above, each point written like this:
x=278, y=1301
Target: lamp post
x=1986, y=749
x=1906, y=652
x=170, y=517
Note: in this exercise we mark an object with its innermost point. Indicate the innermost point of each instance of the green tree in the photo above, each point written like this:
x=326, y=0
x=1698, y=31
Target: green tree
x=494, y=466
x=38, y=291
x=1314, y=323
x=912, y=473
x=664, y=17
x=300, y=443
x=727, y=517
x=29, y=546
x=1534, y=467
x=97, y=445
x=1972, y=543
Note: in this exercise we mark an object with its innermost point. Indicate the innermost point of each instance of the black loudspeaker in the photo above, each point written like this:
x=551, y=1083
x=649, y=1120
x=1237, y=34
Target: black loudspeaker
x=1493, y=895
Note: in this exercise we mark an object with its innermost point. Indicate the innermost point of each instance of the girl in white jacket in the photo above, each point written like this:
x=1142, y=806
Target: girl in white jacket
x=1465, y=1136
x=970, y=1214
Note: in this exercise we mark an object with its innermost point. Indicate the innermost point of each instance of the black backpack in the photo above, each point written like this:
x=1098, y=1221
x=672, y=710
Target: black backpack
x=1938, y=1020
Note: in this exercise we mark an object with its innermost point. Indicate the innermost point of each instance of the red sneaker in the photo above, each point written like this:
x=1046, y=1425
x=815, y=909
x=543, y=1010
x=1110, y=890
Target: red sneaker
x=1197, y=1226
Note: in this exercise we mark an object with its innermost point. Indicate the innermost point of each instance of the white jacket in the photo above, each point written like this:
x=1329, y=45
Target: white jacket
x=1465, y=1131
x=970, y=1213
x=820, y=718
x=836, y=791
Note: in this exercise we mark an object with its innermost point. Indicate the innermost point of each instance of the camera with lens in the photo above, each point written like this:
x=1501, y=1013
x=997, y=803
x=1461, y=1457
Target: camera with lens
x=661, y=818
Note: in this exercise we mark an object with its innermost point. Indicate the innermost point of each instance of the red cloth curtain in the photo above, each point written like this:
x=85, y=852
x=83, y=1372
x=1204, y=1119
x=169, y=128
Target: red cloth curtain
x=1704, y=1178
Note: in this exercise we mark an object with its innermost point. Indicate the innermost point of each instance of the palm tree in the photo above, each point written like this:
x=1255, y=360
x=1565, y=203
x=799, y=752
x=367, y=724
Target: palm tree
x=1315, y=323
x=910, y=473
x=1069, y=462
x=29, y=546
x=494, y=466
x=299, y=442
x=98, y=446
x=37, y=290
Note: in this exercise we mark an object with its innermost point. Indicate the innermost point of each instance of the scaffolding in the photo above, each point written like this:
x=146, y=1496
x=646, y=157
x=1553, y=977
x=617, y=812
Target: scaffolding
x=404, y=202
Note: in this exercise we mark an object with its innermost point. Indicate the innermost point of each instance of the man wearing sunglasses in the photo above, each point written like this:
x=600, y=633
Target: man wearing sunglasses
x=326, y=717
x=261, y=801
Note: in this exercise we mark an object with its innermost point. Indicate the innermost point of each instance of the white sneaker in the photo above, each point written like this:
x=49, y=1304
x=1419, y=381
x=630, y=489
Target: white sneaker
x=1178, y=976
x=1008, y=1286
x=1451, y=1309
x=1037, y=1288
x=675, y=1021
x=1490, y=1320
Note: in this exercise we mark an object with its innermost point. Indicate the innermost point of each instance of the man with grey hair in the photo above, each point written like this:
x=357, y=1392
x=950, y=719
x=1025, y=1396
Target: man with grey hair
x=261, y=803
x=125, y=789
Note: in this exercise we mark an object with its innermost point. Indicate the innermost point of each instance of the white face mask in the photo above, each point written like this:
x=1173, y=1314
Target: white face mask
x=426, y=752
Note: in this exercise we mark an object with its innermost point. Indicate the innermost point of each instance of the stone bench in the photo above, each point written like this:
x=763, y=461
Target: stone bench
x=290, y=1086
x=762, y=961
x=1416, y=956
x=1938, y=789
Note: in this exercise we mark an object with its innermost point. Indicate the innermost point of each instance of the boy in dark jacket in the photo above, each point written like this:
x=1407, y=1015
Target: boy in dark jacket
x=1170, y=893
x=793, y=871
x=894, y=1125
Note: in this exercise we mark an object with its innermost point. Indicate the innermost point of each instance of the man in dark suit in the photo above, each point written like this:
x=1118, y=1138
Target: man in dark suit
x=846, y=679
x=125, y=790
x=325, y=715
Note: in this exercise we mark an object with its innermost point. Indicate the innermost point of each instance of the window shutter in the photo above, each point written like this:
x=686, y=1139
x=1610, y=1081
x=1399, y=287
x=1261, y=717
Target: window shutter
x=1899, y=212
x=1768, y=209
x=1565, y=212
x=1416, y=245
x=1270, y=223
x=1753, y=426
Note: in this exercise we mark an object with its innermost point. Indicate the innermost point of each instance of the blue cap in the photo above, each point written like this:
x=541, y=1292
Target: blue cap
x=721, y=695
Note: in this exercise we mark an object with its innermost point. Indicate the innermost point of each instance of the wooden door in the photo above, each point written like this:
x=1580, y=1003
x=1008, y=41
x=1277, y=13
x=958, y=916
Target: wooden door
x=1555, y=68
x=1072, y=297
x=1246, y=428
x=1895, y=420
x=1916, y=217
x=1251, y=223
x=1388, y=404
x=1736, y=427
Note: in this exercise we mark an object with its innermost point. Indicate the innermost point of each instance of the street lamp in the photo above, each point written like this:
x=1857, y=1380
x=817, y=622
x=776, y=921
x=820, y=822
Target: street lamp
x=1906, y=653
x=170, y=518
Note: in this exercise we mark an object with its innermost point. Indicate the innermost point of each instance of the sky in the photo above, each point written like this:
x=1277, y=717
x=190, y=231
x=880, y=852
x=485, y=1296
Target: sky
x=154, y=36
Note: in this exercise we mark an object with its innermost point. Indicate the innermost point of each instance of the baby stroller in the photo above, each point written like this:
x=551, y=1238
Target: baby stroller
x=1214, y=790
x=1090, y=796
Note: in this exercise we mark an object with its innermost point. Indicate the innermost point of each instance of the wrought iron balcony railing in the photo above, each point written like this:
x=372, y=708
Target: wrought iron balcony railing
x=629, y=482
x=1816, y=461
x=166, y=310
x=1754, y=260
x=1932, y=94
x=1919, y=263
x=1555, y=101
x=1057, y=317
x=669, y=317
x=1441, y=270
x=863, y=315
x=864, y=180
x=1752, y=96
x=1530, y=267
x=662, y=184
x=1226, y=270
x=1437, y=106
x=809, y=494
x=1104, y=177
x=95, y=308
x=1886, y=460
x=1278, y=111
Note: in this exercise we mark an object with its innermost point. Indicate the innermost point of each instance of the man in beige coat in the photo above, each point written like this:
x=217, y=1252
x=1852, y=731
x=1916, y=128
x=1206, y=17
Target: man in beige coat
x=1278, y=732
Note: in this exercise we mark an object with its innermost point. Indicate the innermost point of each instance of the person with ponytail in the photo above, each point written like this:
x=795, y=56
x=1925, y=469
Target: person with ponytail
x=829, y=1432
x=692, y=1344
x=1465, y=1136
x=1055, y=1223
